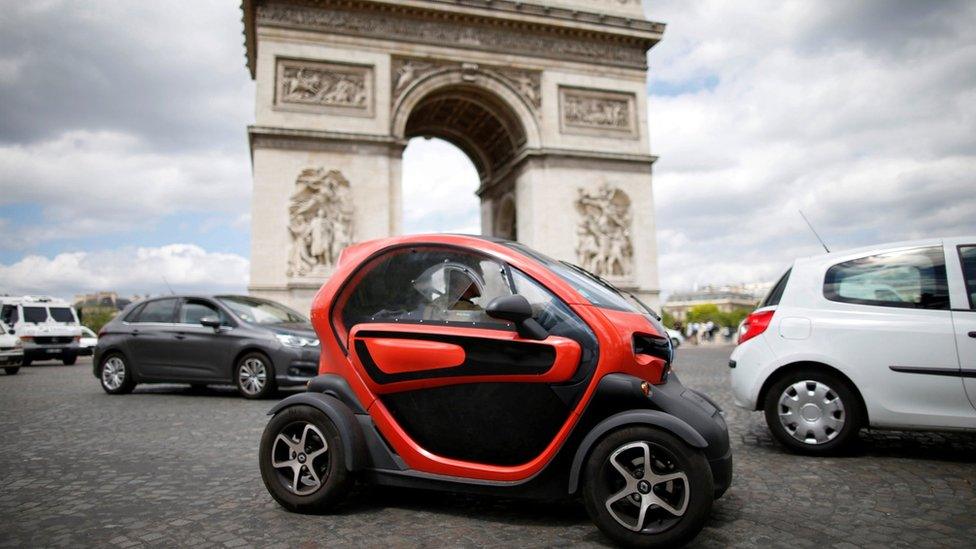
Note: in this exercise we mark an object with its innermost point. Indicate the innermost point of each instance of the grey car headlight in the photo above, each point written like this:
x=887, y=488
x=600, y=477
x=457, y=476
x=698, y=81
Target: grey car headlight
x=289, y=340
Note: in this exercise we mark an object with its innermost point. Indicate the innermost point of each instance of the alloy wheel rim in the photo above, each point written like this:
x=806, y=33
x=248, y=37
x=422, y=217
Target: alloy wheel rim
x=648, y=490
x=811, y=412
x=253, y=375
x=300, y=456
x=113, y=373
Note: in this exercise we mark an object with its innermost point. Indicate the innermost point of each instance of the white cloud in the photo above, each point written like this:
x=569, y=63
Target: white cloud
x=864, y=120
x=92, y=183
x=186, y=267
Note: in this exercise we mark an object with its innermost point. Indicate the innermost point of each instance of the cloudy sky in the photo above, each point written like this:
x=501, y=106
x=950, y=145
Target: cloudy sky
x=124, y=161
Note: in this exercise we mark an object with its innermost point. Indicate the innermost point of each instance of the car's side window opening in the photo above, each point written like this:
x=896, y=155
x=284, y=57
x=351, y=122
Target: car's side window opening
x=776, y=293
x=547, y=309
x=191, y=311
x=157, y=311
x=8, y=315
x=913, y=279
x=427, y=284
x=967, y=257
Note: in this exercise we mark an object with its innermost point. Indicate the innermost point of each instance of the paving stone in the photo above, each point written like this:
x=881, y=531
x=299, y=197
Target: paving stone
x=167, y=466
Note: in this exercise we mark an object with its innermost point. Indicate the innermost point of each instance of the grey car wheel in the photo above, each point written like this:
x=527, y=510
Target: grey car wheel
x=115, y=375
x=254, y=376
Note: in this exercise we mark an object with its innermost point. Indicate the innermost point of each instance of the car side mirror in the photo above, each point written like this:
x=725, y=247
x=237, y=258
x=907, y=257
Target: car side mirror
x=516, y=309
x=210, y=322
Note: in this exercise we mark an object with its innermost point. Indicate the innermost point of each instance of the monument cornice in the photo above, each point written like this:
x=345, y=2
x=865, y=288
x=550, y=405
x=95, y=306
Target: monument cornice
x=310, y=140
x=498, y=25
x=640, y=161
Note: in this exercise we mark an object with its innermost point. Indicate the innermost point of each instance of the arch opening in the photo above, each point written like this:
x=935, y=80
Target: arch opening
x=484, y=124
x=439, y=184
x=473, y=120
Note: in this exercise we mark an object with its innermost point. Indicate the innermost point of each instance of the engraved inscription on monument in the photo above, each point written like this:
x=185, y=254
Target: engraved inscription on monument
x=320, y=222
x=603, y=242
x=324, y=87
x=596, y=112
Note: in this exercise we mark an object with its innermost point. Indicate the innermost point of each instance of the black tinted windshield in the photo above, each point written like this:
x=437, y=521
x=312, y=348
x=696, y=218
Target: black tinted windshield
x=591, y=288
x=35, y=314
x=259, y=311
x=62, y=314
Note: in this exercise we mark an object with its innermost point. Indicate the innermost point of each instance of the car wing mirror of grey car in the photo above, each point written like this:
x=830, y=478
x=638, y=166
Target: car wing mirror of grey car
x=516, y=309
x=211, y=322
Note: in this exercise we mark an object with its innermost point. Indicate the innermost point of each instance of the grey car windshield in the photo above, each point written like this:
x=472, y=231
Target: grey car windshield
x=259, y=311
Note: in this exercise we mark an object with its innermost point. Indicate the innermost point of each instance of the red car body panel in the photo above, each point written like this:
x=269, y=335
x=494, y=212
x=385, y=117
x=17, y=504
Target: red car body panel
x=614, y=331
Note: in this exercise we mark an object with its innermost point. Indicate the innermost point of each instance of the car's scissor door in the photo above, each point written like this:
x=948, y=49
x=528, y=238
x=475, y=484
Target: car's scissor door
x=449, y=380
x=471, y=394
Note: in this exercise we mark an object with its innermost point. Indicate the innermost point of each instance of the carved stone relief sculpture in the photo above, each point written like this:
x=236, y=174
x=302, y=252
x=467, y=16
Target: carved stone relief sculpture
x=311, y=85
x=527, y=83
x=320, y=222
x=596, y=112
x=604, y=243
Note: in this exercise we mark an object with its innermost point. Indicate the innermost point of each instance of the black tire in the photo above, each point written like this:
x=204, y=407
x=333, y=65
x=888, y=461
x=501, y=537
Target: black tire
x=660, y=528
x=26, y=362
x=247, y=389
x=69, y=360
x=125, y=384
x=335, y=481
x=11, y=370
x=837, y=439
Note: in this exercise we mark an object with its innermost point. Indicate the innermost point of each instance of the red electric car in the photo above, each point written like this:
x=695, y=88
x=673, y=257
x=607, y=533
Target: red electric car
x=471, y=364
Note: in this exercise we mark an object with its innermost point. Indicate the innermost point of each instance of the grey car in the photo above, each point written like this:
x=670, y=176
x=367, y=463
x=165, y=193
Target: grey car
x=254, y=343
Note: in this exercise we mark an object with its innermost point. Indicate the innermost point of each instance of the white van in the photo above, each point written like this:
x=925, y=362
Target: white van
x=47, y=327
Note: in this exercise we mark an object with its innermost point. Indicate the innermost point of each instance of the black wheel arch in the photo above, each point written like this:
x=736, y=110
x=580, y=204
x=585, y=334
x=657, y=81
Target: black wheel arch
x=355, y=452
x=793, y=367
x=651, y=418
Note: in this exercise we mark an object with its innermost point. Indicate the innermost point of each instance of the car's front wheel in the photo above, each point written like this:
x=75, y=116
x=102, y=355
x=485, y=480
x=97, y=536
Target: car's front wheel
x=647, y=488
x=254, y=376
x=115, y=375
x=11, y=370
x=813, y=411
x=68, y=359
x=301, y=460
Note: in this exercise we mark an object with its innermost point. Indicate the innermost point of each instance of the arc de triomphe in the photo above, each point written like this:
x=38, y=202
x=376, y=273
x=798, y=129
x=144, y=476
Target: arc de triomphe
x=547, y=98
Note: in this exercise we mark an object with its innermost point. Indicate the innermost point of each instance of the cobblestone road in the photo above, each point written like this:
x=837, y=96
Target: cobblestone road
x=168, y=466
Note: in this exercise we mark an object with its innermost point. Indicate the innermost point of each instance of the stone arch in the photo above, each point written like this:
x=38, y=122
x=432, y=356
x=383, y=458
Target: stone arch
x=479, y=112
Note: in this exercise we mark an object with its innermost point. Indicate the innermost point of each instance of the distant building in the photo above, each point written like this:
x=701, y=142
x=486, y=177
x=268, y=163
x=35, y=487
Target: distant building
x=102, y=299
x=726, y=298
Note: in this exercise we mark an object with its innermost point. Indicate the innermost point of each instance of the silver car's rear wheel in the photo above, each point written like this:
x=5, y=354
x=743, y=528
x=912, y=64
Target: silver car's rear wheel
x=811, y=412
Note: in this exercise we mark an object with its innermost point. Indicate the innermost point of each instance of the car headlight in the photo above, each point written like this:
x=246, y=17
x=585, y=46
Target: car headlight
x=289, y=340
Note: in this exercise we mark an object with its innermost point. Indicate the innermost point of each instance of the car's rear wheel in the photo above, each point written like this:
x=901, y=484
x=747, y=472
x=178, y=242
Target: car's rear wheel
x=302, y=461
x=647, y=488
x=813, y=411
x=11, y=370
x=254, y=376
x=115, y=375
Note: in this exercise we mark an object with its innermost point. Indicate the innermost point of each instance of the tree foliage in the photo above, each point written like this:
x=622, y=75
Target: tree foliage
x=94, y=317
x=709, y=312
